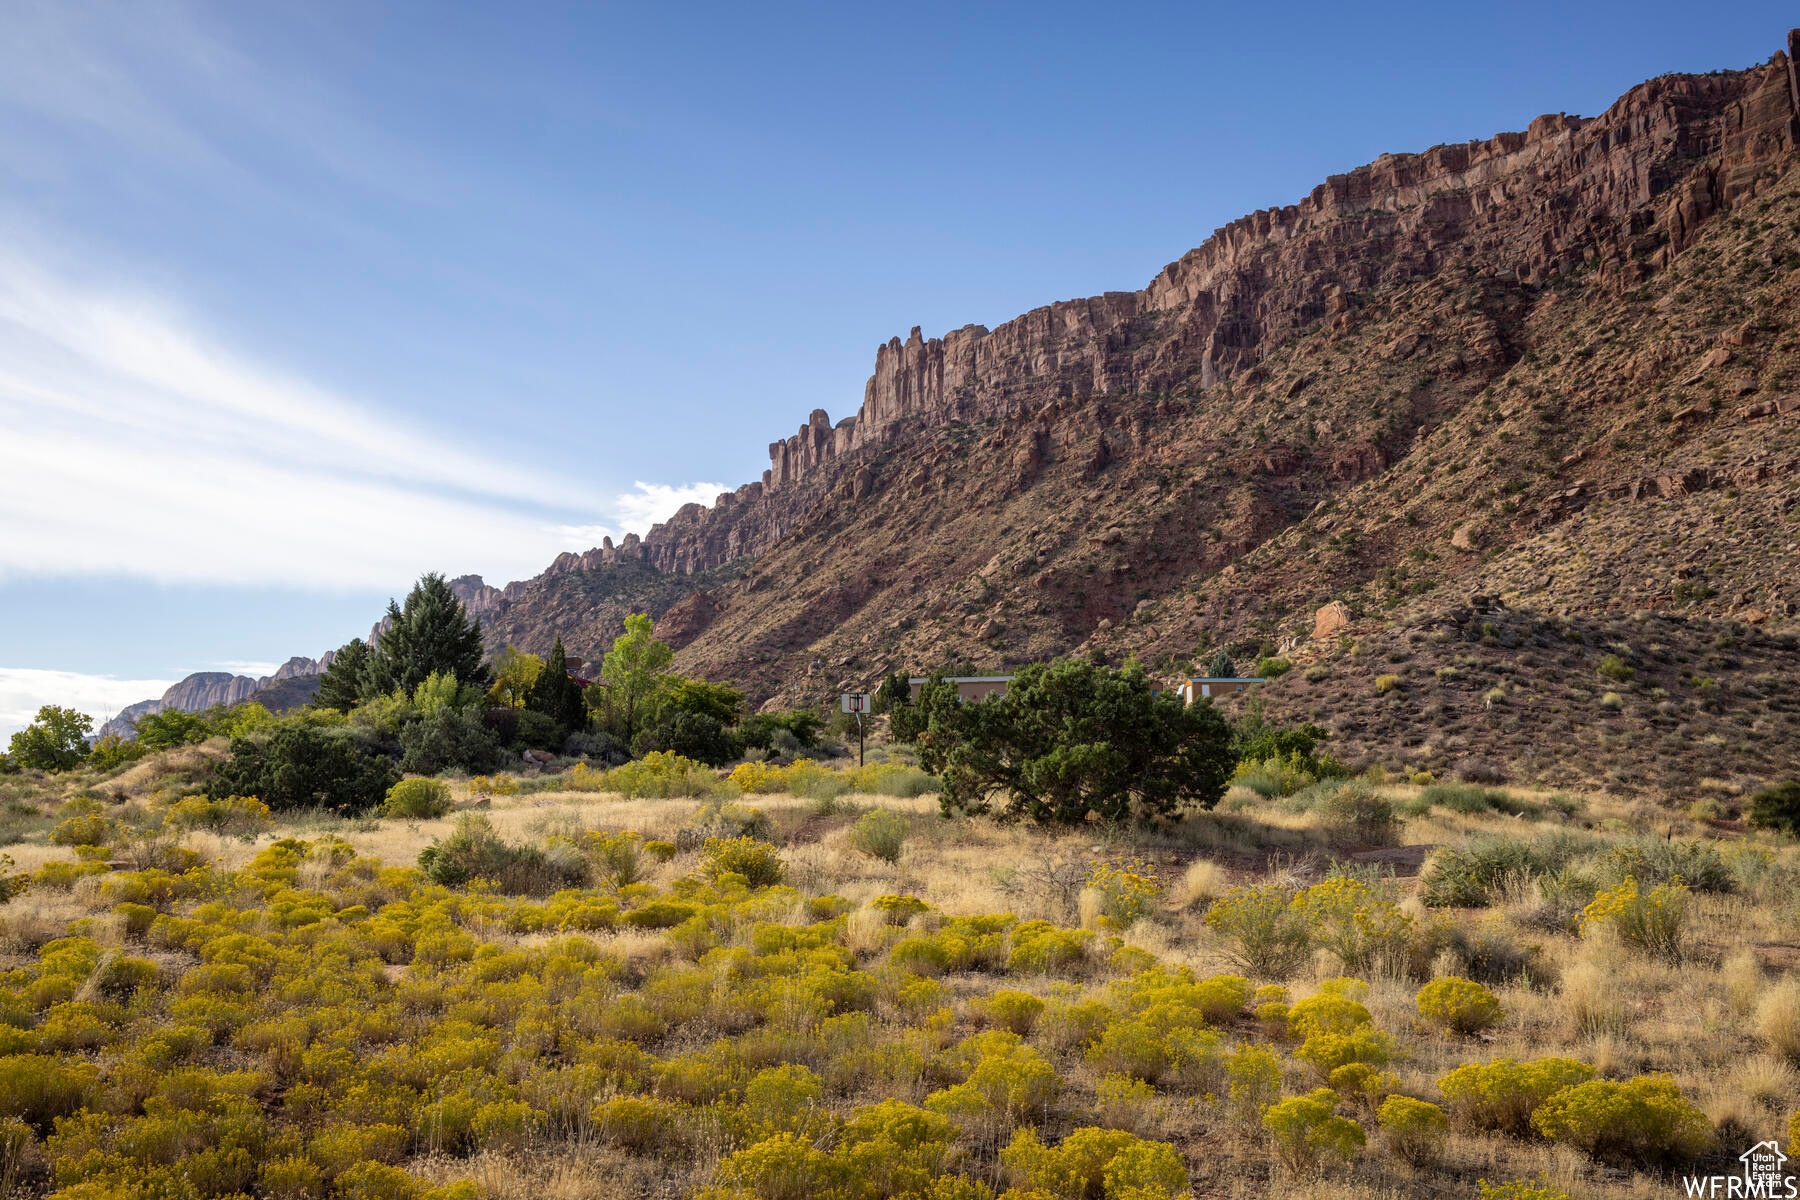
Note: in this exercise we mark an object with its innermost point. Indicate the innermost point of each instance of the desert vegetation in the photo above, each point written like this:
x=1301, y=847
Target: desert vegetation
x=1170, y=954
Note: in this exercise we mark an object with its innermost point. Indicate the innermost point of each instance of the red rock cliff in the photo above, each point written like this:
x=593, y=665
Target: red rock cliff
x=1619, y=193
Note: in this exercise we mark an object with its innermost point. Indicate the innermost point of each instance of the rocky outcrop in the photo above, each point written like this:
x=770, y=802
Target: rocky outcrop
x=1329, y=619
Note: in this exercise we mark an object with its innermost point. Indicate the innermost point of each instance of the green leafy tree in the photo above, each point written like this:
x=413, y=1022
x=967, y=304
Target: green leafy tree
x=1070, y=738
x=340, y=685
x=514, y=673
x=442, y=690
x=696, y=735
x=1256, y=739
x=1220, y=666
x=758, y=730
x=633, y=673
x=432, y=632
x=555, y=694
x=108, y=751
x=55, y=741
x=303, y=767
x=172, y=727
x=722, y=702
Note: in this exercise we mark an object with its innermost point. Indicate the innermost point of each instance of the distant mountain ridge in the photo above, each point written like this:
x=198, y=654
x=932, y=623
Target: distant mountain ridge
x=203, y=689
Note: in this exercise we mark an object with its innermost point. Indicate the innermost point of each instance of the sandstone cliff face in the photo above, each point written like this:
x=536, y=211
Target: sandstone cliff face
x=1618, y=193
x=1615, y=195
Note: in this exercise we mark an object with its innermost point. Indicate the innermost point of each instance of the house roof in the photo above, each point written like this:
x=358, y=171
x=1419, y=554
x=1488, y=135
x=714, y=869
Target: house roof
x=964, y=679
x=1226, y=679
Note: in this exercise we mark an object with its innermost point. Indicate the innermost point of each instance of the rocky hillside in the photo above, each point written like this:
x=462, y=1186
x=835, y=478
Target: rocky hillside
x=1451, y=433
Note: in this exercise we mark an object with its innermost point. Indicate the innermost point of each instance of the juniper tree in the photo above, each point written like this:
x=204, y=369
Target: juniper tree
x=341, y=683
x=555, y=694
x=432, y=633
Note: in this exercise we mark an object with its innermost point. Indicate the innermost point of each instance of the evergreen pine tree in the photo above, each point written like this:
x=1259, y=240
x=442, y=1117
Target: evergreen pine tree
x=555, y=694
x=432, y=633
x=340, y=686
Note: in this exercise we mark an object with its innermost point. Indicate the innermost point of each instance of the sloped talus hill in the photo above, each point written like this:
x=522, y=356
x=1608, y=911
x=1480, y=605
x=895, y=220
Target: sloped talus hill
x=1515, y=410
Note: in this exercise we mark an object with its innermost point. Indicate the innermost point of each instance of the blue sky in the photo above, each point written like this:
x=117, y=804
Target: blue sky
x=297, y=301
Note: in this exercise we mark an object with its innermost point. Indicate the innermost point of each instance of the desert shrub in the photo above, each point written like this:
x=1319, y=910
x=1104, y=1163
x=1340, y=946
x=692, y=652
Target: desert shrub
x=38, y=1088
x=614, y=858
x=898, y=910
x=1503, y=1094
x=1356, y=810
x=1270, y=940
x=1460, y=1005
x=756, y=861
x=1122, y=1102
x=1521, y=1189
x=1163, y=1045
x=1413, y=1130
x=901, y=1149
x=1642, y=1120
x=1040, y=948
x=1465, y=798
x=1480, y=872
x=660, y=774
x=1273, y=668
x=891, y=779
x=718, y=819
x=300, y=766
x=475, y=851
x=240, y=815
x=1777, y=807
x=1654, y=861
x=417, y=798
x=1652, y=920
x=1012, y=1009
x=1491, y=953
x=1005, y=1081
x=291, y=1178
x=880, y=833
x=640, y=1124
x=1308, y=1134
x=1614, y=668
x=1126, y=894
x=1277, y=775
x=1095, y=1162
x=85, y=824
x=785, y=1099
x=59, y=875
x=1252, y=1082
x=1356, y=922
x=1387, y=683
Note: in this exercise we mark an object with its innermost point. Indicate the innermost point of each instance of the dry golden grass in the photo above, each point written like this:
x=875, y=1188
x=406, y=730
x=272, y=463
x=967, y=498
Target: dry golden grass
x=1724, y=1022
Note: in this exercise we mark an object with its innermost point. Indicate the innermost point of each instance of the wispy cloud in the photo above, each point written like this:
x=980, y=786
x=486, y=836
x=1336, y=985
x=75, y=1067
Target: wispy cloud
x=653, y=502
x=137, y=445
x=23, y=692
x=137, y=440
